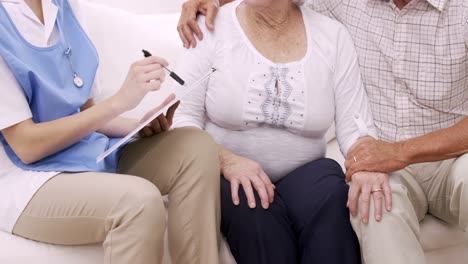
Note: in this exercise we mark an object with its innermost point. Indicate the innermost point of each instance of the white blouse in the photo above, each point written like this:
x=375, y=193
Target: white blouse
x=17, y=186
x=276, y=114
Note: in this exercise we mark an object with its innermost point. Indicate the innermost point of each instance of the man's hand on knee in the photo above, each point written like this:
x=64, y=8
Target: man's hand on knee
x=188, y=26
x=364, y=185
x=369, y=154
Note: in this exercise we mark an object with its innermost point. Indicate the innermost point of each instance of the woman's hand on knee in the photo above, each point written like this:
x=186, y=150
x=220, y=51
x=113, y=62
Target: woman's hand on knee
x=243, y=171
x=363, y=185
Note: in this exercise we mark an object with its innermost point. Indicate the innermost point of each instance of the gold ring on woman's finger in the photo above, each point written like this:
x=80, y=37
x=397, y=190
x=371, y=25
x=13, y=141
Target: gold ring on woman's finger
x=377, y=190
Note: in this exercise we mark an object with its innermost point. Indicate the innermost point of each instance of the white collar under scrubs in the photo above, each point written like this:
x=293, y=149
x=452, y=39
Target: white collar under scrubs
x=18, y=186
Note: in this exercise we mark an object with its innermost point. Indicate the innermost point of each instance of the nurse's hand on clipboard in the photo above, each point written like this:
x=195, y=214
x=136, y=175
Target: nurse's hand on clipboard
x=162, y=122
x=156, y=114
x=143, y=77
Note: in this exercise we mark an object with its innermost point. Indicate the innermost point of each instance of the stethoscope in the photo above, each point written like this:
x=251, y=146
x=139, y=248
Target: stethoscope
x=77, y=80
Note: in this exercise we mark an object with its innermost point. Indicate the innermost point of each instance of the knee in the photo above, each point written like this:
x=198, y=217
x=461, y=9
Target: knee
x=327, y=163
x=459, y=171
x=329, y=166
x=335, y=195
x=328, y=176
x=228, y=208
x=328, y=186
x=142, y=205
x=195, y=142
x=199, y=152
x=318, y=170
x=463, y=183
x=402, y=210
x=240, y=217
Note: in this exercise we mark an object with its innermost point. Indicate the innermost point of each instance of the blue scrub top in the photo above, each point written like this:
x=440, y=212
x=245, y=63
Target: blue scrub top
x=47, y=78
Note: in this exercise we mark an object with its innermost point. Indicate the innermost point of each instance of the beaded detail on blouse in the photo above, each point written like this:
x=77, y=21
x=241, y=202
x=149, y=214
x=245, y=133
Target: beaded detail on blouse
x=276, y=108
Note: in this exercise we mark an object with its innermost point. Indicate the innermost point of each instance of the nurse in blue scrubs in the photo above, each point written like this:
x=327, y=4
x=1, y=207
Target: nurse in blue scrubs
x=51, y=188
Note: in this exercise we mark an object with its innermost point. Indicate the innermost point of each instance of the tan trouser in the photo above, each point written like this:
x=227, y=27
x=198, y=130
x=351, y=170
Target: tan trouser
x=437, y=188
x=127, y=213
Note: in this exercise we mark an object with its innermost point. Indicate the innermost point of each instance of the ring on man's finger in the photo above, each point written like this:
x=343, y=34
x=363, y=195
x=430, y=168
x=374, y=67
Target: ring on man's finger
x=377, y=190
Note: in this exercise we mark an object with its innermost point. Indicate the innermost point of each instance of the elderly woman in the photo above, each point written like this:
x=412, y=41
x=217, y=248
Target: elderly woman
x=285, y=74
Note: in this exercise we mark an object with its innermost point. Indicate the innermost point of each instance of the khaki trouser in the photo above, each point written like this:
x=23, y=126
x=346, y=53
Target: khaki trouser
x=127, y=212
x=437, y=188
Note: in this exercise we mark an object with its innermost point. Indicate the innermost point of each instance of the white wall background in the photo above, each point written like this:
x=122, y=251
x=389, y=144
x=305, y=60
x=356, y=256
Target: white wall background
x=143, y=6
x=121, y=29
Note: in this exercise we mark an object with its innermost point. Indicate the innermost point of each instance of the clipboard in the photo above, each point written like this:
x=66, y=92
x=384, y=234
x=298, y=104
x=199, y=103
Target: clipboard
x=142, y=125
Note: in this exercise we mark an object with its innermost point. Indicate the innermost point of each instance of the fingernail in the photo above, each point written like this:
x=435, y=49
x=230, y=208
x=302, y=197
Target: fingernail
x=347, y=204
x=252, y=205
x=265, y=205
x=379, y=217
x=236, y=202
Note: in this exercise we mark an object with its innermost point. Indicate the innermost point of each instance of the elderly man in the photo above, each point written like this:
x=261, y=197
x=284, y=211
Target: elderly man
x=414, y=60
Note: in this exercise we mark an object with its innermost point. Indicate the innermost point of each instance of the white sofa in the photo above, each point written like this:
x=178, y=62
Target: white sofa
x=120, y=32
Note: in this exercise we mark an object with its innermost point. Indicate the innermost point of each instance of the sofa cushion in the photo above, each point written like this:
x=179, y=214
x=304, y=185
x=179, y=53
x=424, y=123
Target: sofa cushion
x=451, y=255
x=437, y=234
x=439, y=241
x=17, y=250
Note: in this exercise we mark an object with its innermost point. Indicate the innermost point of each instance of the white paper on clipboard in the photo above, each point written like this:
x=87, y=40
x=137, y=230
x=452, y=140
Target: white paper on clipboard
x=186, y=91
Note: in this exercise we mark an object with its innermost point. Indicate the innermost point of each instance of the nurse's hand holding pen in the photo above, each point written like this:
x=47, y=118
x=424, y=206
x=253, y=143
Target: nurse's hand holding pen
x=143, y=77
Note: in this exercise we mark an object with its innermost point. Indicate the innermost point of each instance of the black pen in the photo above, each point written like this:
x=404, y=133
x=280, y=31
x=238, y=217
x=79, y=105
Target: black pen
x=171, y=73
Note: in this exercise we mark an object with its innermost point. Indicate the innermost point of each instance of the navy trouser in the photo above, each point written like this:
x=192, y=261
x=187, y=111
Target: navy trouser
x=307, y=223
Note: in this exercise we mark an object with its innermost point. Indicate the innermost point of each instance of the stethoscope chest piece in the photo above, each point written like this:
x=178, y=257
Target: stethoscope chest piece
x=78, y=81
